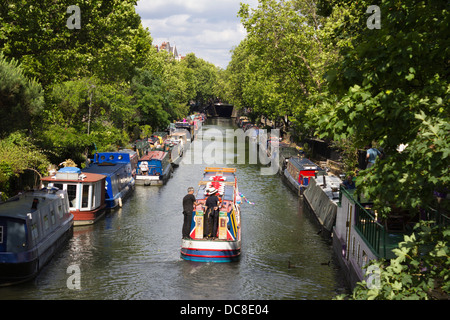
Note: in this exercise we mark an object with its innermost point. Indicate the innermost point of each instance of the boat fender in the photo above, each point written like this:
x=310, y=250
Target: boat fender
x=120, y=202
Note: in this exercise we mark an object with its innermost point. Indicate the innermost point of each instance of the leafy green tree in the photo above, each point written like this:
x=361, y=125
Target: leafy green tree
x=287, y=49
x=19, y=153
x=201, y=76
x=84, y=113
x=391, y=87
x=110, y=43
x=21, y=99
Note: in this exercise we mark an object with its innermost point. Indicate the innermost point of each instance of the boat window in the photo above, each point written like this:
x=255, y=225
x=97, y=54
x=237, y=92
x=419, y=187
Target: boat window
x=72, y=193
x=111, y=157
x=60, y=211
x=52, y=216
x=93, y=204
x=34, y=231
x=60, y=186
x=103, y=157
x=46, y=225
x=85, y=196
x=119, y=157
x=16, y=236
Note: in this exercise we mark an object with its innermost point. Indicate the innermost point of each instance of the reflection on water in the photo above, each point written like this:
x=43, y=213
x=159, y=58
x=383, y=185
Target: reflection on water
x=134, y=252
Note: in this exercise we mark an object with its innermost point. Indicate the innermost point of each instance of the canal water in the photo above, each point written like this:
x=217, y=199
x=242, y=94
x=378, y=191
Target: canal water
x=134, y=252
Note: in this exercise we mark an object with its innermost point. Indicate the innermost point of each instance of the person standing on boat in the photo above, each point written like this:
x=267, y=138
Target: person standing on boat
x=189, y=202
x=212, y=214
x=371, y=156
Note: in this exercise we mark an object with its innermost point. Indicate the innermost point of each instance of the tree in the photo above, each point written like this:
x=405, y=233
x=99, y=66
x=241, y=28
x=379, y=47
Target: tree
x=201, y=76
x=21, y=98
x=19, y=153
x=391, y=87
x=287, y=50
x=110, y=43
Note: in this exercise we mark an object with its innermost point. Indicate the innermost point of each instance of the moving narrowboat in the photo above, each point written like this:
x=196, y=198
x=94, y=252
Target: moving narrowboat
x=120, y=171
x=85, y=191
x=33, y=228
x=154, y=168
x=225, y=244
x=299, y=171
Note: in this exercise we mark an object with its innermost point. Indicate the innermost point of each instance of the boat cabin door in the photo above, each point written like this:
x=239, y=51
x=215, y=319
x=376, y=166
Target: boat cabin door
x=348, y=229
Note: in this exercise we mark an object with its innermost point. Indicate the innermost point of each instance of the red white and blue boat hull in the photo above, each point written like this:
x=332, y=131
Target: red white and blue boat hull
x=211, y=251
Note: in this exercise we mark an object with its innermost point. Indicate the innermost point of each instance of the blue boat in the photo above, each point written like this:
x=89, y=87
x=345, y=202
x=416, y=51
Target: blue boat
x=154, y=168
x=120, y=171
x=33, y=228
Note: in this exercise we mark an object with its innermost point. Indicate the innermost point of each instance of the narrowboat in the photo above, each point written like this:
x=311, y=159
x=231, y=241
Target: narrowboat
x=187, y=126
x=154, y=168
x=161, y=141
x=299, y=171
x=321, y=199
x=183, y=138
x=286, y=153
x=157, y=140
x=225, y=244
x=120, y=171
x=175, y=150
x=33, y=227
x=85, y=191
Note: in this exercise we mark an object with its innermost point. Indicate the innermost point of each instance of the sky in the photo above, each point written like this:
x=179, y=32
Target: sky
x=208, y=28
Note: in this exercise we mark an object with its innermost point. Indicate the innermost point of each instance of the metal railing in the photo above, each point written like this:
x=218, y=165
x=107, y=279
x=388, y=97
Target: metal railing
x=371, y=231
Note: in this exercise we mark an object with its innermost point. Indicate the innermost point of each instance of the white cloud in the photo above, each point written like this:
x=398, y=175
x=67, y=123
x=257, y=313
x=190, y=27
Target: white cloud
x=210, y=29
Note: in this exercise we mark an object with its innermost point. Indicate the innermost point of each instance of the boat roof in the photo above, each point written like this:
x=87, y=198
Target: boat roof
x=228, y=192
x=224, y=176
x=86, y=177
x=19, y=207
x=122, y=156
x=105, y=168
x=304, y=164
x=154, y=155
x=180, y=133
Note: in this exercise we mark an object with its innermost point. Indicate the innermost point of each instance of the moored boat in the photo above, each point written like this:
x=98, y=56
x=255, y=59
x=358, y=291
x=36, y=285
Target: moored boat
x=299, y=171
x=187, y=126
x=85, y=191
x=175, y=150
x=120, y=170
x=321, y=198
x=183, y=138
x=225, y=244
x=154, y=168
x=33, y=228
